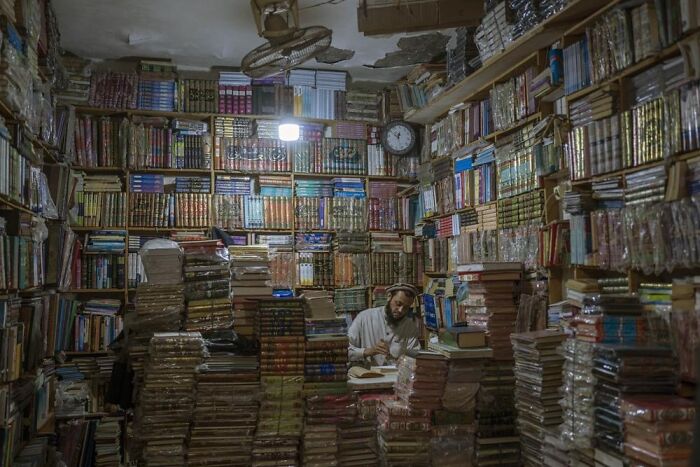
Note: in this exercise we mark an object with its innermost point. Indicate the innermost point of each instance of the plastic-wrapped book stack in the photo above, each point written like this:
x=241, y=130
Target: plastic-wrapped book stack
x=167, y=399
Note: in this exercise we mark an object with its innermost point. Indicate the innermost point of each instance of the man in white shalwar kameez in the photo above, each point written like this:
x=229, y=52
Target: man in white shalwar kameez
x=379, y=336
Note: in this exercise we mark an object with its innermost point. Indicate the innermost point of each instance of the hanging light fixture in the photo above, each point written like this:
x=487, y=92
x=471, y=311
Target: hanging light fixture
x=288, y=131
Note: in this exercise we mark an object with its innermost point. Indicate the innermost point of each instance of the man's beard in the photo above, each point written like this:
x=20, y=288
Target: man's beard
x=389, y=317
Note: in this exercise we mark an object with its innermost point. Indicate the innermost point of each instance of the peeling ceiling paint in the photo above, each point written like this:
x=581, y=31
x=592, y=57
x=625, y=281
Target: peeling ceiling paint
x=414, y=50
x=333, y=55
x=209, y=33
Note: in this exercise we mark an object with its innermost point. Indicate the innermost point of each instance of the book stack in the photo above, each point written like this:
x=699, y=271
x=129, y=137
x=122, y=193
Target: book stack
x=250, y=271
x=100, y=202
x=198, y=95
x=192, y=184
x=351, y=299
x=251, y=154
x=491, y=302
x=537, y=380
x=226, y=412
x=383, y=207
x=645, y=186
x=495, y=31
x=325, y=373
x=357, y=442
x=167, y=398
x=235, y=93
x=76, y=442
x=98, y=142
x=511, y=101
x=554, y=451
x=520, y=210
x=404, y=433
x=281, y=330
x=228, y=200
x=207, y=285
x=658, y=429
x=624, y=370
x=326, y=359
x=111, y=90
x=77, y=89
x=158, y=308
x=576, y=430
x=107, y=439
x=97, y=326
x=351, y=269
x=106, y=241
x=576, y=77
x=280, y=422
x=462, y=54
x=157, y=94
x=363, y=106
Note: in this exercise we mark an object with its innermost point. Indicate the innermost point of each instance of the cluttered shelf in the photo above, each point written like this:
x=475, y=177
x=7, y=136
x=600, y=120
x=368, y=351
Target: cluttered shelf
x=542, y=35
x=638, y=67
x=629, y=170
x=200, y=115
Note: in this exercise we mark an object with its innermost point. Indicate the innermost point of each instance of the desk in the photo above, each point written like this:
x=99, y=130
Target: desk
x=368, y=384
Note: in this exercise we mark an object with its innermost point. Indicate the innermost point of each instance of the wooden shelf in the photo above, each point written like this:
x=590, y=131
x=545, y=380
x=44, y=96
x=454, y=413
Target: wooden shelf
x=107, y=170
x=253, y=174
x=87, y=415
x=244, y=230
x=103, y=253
x=83, y=228
x=166, y=171
x=86, y=353
x=630, y=170
x=104, y=291
x=202, y=115
x=629, y=71
x=167, y=229
x=521, y=123
x=541, y=36
x=15, y=205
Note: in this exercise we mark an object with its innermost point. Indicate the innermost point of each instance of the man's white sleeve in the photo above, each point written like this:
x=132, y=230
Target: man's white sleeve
x=355, y=351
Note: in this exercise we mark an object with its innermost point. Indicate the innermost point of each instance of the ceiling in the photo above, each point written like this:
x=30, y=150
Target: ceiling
x=204, y=33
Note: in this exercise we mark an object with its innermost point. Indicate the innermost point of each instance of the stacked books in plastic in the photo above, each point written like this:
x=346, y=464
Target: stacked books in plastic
x=621, y=371
x=162, y=260
x=404, y=433
x=357, y=440
x=554, y=451
x=658, y=429
x=250, y=271
x=226, y=412
x=207, y=285
x=492, y=305
x=280, y=422
x=453, y=426
x=323, y=414
x=108, y=442
x=538, y=377
x=158, y=308
x=166, y=402
x=578, y=389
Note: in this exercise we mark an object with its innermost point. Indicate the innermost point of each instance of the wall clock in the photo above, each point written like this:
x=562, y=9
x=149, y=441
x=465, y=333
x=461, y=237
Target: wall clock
x=398, y=138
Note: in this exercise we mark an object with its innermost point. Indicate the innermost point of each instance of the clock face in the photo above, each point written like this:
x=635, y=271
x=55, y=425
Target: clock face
x=399, y=138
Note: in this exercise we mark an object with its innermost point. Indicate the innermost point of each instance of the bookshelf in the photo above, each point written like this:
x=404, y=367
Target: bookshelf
x=291, y=176
x=535, y=223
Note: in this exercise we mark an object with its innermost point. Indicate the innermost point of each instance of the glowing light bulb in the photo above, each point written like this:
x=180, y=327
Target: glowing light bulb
x=288, y=131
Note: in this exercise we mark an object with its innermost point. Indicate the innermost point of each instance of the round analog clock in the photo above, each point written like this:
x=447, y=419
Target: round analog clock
x=398, y=137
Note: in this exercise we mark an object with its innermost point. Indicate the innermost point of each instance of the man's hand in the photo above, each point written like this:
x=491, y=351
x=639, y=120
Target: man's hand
x=382, y=348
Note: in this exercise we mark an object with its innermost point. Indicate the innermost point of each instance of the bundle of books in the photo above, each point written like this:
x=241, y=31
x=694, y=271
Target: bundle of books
x=251, y=155
x=108, y=442
x=226, y=412
x=576, y=430
x=157, y=308
x=198, y=95
x=250, y=270
x=207, y=285
x=111, y=90
x=495, y=32
x=491, y=302
x=280, y=422
x=167, y=398
x=624, y=370
x=658, y=429
x=357, y=443
x=323, y=414
x=77, y=88
x=281, y=330
x=351, y=299
x=537, y=380
x=404, y=433
x=326, y=358
x=497, y=440
x=97, y=141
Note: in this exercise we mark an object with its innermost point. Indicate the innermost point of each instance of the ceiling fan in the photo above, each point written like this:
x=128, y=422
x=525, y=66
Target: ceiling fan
x=287, y=45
